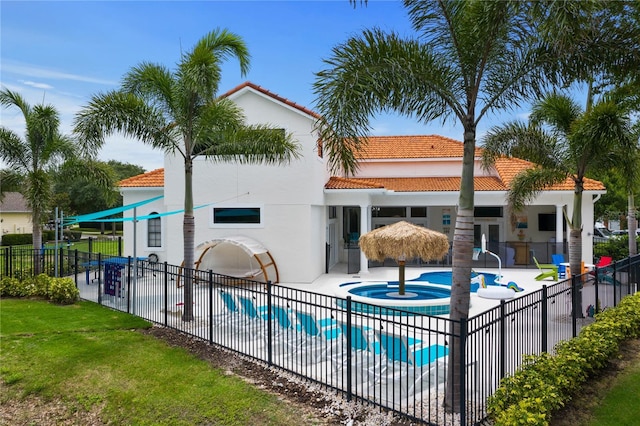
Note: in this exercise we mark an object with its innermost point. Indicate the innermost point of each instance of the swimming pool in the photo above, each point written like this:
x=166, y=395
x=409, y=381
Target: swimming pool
x=429, y=294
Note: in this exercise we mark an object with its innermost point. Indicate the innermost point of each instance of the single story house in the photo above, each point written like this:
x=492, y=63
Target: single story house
x=15, y=214
x=308, y=219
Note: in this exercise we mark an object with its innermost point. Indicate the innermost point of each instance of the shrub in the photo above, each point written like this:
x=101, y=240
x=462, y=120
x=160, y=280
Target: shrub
x=41, y=284
x=58, y=290
x=617, y=247
x=545, y=382
x=8, y=286
x=63, y=291
x=16, y=239
x=15, y=287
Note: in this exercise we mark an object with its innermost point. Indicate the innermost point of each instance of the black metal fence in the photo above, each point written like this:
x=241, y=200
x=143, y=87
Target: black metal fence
x=381, y=356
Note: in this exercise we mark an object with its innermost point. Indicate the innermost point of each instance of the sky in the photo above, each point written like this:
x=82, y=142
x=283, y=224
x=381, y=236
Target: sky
x=62, y=53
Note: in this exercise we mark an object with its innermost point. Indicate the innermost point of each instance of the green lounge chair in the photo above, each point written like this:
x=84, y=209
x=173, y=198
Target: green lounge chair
x=547, y=270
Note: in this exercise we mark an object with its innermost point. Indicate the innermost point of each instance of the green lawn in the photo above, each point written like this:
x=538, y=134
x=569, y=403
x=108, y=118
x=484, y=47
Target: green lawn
x=91, y=356
x=621, y=405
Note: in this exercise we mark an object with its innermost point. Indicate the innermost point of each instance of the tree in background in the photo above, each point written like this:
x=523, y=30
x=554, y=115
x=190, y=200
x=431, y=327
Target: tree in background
x=180, y=113
x=82, y=195
x=567, y=142
x=596, y=45
x=469, y=58
x=10, y=181
x=34, y=156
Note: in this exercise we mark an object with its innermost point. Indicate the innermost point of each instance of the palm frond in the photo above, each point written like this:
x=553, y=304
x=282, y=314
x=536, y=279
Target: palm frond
x=10, y=98
x=252, y=145
x=526, y=141
x=527, y=184
x=377, y=72
x=557, y=111
x=600, y=133
x=153, y=83
x=124, y=113
x=13, y=150
x=226, y=45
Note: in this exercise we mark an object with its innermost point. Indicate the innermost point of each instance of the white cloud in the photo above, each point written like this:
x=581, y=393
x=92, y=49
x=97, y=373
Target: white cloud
x=29, y=70
x=36, y=85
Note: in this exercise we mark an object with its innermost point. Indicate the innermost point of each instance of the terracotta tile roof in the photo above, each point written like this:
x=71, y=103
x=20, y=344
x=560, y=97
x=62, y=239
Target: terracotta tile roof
x=415, y=184
x=426, y=146
x=154, y=178
x=272, y=95
x=336, y=182
x=508, y=168
x=14, y=202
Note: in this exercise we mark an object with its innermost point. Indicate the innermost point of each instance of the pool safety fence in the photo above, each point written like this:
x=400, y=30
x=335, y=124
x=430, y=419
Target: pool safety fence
x=397, y=360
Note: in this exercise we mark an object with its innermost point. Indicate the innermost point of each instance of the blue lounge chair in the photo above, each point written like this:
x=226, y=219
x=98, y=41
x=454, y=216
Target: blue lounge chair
x=366, y=357
x=412, y=367
x=318, y=336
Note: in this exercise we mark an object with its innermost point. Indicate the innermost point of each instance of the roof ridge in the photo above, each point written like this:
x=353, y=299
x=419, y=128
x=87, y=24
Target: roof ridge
x=271, y=95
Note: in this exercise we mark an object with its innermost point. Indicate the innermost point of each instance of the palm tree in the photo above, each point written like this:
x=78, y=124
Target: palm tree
x=629, y=165
x=31, y=157
x=469, y=59
x=567, y=143
x=179, y=112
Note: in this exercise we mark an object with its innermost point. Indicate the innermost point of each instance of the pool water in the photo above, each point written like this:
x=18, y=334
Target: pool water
x=445, y=278
x=429, y=294
x=389, y=293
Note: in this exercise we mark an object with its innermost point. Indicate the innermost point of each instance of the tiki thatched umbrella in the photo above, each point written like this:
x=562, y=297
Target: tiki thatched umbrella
x=401, y=241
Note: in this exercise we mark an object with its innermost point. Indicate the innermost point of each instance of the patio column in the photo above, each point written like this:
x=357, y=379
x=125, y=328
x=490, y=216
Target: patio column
x=365, y=220
x=559, y=233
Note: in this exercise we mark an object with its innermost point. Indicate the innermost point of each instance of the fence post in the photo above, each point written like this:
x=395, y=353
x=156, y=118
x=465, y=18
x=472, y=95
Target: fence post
x=120, y=246
x=545, y=318
x=7, y=251
x=503, y=340
x=615, y=292
x=597, y=307
x=60, y=261
x=463, y=369
x=166, y=294
x=129, y=301
x=90, y=246
x=210, y=306
x=349, y=355
x=75, y=266
x=574, y=305
x=269, y=337
x=99, y=276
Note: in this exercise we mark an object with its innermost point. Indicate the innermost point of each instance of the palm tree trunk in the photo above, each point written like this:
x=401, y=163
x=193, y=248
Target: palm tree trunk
x=401, y=285
x=461, y=275
x=188, y=230
x=575, y=262
x=575, y=242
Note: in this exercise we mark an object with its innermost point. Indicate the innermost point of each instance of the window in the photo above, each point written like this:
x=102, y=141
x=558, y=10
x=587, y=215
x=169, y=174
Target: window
x=418, y=212
x=154, y=232
x=487, y=212
x=333, y=212
x=236, y=216
x=388, y=212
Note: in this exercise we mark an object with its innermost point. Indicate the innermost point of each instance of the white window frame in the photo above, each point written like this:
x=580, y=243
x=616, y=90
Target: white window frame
x=161, y=231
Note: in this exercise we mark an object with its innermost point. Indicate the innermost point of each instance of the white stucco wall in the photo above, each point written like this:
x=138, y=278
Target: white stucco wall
x=290, y=196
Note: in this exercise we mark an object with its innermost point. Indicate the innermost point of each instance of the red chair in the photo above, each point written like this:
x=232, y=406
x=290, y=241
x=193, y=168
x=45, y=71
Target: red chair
x=603, y=262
